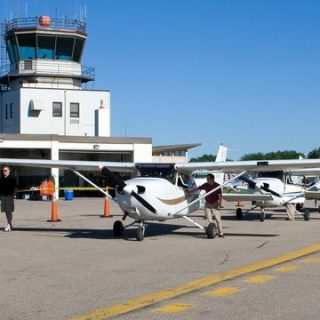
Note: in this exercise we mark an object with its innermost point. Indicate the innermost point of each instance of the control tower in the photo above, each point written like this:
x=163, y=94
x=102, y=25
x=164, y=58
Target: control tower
x=42, y=87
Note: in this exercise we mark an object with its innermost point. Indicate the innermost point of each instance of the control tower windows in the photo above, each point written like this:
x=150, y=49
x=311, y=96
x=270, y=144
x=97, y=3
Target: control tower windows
x=74, y=110
x=30, y=46
x=27, y=46
x=46, y=47
x=64, y=48
x=12, y=50
x=78, y=50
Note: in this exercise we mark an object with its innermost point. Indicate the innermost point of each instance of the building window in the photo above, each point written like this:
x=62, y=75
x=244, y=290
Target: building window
x=74, y=110
x=11, y=110
x=57, y=109
x=7, y=116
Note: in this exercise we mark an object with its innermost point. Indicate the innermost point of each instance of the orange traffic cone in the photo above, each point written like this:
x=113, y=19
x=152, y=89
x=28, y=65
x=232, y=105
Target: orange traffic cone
x=54, y=211
x=106, y=212
x=239, y=204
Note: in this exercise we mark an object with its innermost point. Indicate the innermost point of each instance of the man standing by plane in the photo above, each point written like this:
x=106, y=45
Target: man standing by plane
x=8, y=188
x=213, y=201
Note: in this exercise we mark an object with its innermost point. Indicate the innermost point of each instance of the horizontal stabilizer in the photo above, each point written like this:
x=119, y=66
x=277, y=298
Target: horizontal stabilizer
x=309, y=195
x=246, y=197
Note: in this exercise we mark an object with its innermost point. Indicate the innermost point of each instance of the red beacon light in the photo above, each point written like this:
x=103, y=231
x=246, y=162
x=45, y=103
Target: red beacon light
x=44, y=21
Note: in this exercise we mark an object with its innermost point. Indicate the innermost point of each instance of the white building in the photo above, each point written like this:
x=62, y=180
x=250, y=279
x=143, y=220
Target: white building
x=45, y=110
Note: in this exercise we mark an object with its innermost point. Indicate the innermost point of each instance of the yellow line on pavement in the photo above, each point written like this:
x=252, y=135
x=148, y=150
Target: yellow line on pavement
x=223, y=292
x=260, y=278
x=174, y=308
x=158, y=296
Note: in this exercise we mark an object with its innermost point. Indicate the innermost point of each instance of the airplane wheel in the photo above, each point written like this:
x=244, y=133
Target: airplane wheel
x=262, y=216
x=239, y=213
x=118, y=228
x=306, y=215
x=211, y=230
x=140, y=233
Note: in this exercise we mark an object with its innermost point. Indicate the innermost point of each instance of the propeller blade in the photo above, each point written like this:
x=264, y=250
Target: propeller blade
x=144, y=202
x=265, y=187
x=113, y=177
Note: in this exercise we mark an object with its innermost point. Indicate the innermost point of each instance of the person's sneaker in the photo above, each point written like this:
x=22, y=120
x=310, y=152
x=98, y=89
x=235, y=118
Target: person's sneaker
x=7, y=228
x=221, y=235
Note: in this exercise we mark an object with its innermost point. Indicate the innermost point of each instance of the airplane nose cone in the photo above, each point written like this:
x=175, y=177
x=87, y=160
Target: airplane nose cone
x=130, y=188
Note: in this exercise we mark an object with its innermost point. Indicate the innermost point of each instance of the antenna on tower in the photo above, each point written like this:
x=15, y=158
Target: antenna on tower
x=26, y=8
x=85, y=13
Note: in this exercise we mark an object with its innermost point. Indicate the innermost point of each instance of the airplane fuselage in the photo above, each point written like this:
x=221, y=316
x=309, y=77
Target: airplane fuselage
x=161, y=194
x=285, y=192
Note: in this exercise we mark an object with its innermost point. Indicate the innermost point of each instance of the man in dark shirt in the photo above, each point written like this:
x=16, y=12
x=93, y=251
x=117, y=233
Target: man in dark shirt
x=213, y=201
x=8, y=188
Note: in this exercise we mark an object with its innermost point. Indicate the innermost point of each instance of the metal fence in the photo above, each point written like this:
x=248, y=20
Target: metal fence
x=55, y=23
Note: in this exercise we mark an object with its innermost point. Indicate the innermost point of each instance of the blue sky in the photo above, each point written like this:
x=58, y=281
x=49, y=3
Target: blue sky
x=243, y=73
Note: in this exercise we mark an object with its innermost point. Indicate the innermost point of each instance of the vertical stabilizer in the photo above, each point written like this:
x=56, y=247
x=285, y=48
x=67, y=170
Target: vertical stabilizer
x=222, y=153
x=221, y=157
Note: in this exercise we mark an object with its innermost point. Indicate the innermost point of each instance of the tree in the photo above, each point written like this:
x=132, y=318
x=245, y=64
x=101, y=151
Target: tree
x=204, y=158
x=314, y=154
x=278, y=155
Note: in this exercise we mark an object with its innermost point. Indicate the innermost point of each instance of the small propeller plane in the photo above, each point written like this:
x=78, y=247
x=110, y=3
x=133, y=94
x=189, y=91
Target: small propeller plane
x=160, y=191
x=274, y=190
x=270, y=192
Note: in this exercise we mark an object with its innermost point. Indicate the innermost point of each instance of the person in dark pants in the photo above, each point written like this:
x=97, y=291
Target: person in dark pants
x=213, y=202
x=8, y=189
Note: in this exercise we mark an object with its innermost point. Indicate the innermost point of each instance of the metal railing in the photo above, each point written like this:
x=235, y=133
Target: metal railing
x=36, y=67
x=55, y=23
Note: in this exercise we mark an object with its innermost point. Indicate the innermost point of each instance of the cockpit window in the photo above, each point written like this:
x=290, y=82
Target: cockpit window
x=165, y=171
x=186, y=181
x=200, y=175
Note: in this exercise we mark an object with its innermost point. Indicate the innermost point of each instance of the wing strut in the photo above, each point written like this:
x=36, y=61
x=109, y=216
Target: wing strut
x=298, y=195
x=213, y=190
x=93, y=184
x=193, y=222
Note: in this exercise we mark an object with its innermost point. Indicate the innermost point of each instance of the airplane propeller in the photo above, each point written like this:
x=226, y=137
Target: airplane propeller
x=128, y=189
x=264, y=187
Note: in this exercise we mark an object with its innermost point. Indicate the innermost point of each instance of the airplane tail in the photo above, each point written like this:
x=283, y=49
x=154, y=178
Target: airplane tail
x=221, y=157
x=222, y=153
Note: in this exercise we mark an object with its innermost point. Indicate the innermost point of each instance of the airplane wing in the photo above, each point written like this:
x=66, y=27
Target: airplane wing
x=249, y=166
x=71, y=165
x=305, y=172
x=246, y=197
x=229, y=166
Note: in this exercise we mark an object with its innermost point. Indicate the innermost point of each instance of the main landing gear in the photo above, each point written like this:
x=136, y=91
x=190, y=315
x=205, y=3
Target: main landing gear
x=211, y=230
x=118, y=229
x=239, y=214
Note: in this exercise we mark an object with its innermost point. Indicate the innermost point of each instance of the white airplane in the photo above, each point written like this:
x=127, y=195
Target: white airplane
x=274, y=190
x=160, y=192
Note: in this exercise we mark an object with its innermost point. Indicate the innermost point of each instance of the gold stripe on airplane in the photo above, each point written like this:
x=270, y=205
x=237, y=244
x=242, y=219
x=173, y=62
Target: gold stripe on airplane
x=173, y=201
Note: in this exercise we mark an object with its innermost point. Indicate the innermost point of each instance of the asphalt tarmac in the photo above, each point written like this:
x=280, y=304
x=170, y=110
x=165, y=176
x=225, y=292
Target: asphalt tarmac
x=75, y=269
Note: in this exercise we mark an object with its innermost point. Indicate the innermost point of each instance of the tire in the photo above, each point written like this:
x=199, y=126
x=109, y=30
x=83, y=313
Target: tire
x=140, y=233
x=118, y=228
x=211, y=230
x=262, y=216
x=306, y=215
x=239, y=213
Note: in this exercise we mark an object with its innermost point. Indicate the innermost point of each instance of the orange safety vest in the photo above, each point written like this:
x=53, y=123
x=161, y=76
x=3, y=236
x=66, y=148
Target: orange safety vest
x=47, y=188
